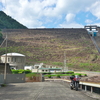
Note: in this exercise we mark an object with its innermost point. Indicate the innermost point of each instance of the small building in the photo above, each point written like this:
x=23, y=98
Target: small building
x=15, y=60
x=93, y=33
x=45, y=68
x=50, y=70
x=37, y=66
x=93, y=30
x=28, y=68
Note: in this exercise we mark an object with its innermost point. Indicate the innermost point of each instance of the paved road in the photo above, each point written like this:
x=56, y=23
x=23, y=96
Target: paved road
x=41, y=91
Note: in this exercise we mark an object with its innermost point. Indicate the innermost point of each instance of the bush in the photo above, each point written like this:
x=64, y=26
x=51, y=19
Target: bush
x=78, y=74
x=69, y=72
x=20, y=71
x=60, y=72
x=15, y=71
x=27, y=71
x=46, y=73
x=85, y=74
x=49, y=76
x=49, y=73
x=58, y=76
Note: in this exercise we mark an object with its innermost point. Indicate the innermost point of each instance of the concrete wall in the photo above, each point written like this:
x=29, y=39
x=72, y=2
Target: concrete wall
x=13, y=78
x=2, y=68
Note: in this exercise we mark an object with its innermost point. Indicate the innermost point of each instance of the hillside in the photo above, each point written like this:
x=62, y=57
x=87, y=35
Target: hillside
x=48, y=46
x=6, y=22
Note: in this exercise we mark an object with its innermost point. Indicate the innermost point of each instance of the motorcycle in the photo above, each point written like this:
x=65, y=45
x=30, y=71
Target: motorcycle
x=74, y=82
x=74, y=85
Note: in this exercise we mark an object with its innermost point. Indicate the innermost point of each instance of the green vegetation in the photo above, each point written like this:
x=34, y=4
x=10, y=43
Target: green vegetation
x=1, y=35
x=28, y=73
x=20, y=71
x=31, y=74
x=59, y=75
x=6, y=22
x=69, y=72
x=49, y=76
x=58, y=63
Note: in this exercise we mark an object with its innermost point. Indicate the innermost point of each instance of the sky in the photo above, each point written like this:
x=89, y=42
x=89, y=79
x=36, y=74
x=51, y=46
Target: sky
x=53, y=13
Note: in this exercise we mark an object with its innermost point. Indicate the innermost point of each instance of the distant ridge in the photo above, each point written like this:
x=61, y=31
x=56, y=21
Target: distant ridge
x=6, y=22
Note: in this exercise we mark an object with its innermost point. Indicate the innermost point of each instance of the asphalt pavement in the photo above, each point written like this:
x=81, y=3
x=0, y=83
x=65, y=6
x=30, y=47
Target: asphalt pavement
x=41, y=91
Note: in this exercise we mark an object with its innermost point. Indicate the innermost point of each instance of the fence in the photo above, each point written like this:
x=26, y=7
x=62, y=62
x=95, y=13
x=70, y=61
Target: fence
x=90, y=87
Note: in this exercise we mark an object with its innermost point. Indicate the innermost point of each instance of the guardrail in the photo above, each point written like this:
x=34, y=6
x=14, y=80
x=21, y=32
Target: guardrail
x=92, y=87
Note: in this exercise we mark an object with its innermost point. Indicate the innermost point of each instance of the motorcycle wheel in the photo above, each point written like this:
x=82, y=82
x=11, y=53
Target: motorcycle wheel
x=76, y=86
x=71, y=88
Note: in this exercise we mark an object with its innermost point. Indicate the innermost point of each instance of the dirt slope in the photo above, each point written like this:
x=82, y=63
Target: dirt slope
x=49, y=45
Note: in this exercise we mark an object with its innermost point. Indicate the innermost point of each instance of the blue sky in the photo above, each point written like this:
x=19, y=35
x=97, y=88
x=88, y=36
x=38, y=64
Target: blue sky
x=53, y=13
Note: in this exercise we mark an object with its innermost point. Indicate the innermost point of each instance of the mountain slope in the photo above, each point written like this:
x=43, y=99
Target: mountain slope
x=6, y=22
x=48, y=46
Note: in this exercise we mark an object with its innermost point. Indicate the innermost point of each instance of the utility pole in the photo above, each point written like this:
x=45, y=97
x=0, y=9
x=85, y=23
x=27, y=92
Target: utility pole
x=65, y=67
x=5, y=70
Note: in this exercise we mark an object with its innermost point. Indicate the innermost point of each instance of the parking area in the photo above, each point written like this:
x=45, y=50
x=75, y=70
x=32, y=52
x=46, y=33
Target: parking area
x=41, y=91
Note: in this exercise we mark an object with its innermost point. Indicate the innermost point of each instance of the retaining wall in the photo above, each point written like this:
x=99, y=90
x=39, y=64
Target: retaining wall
x=13, y=78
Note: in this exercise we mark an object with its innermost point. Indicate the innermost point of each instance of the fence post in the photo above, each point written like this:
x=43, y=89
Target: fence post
x=85, y=88
x=91, y=89
x=80, y=86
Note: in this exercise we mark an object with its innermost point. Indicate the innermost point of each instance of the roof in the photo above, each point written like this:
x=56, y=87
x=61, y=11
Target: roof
x=14, y=54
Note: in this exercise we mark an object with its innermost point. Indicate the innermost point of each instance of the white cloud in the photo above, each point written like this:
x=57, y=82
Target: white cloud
x=34, y=13
x=70, y=25
x=98, y=24
x=88, y=21
x=95, y=9
x=70, y=17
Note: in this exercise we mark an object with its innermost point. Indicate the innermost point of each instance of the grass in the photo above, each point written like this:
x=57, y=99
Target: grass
x=31, y=74
x=58, y=63
x=65, y=75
